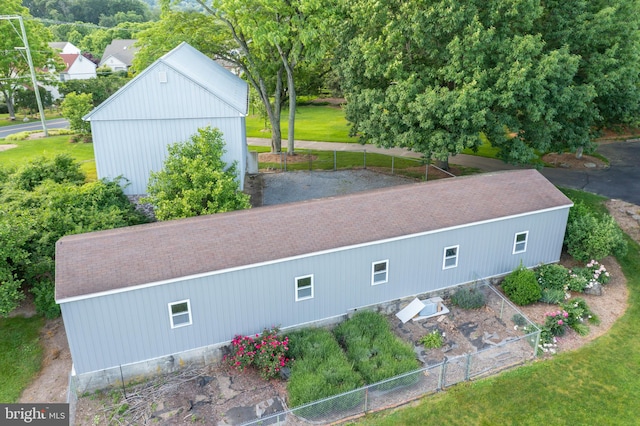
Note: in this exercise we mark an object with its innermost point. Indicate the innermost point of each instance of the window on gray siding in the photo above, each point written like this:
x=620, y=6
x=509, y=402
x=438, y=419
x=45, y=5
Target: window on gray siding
x=520, y=242
x=450, y=259
x=180, y=313
x=304, y=287
x=380, y=272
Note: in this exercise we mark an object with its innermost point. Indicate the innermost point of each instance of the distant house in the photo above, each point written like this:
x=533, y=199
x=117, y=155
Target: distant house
x=76, y=66
x=119, y=55
x=149, y=298
x=64, y=47
x=166, y=103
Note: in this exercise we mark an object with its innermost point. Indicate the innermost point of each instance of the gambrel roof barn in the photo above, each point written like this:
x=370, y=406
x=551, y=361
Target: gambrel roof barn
x=166, y=103
x=168, y=289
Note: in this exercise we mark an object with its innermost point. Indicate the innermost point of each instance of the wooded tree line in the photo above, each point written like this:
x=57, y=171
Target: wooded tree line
x=429, y=75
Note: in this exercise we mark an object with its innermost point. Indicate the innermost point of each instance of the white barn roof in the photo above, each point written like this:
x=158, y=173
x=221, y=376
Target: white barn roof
x=199, y=69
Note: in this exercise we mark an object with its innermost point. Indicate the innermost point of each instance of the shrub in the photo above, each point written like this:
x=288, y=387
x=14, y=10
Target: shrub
x=44, y=299
x=590, y=236
x=552, y=296
x=376, y=353
x=320, y=370
x=552, y=277
x=579, y=311
x=264, y=352
x=468, y=298
x=556, y=322
x=519, y=320
x=521, y=286
x=577, y=281
x=432, y=340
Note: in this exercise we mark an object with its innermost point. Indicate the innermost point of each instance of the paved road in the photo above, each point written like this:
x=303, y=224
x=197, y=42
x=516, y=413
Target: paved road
x=58, y=123
x=621, y=180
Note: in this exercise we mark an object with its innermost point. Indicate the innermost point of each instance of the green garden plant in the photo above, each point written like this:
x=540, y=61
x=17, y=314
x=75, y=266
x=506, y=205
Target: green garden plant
x=521, y=286
x=592, y=236
x=376, y=353
x=468, y=298
x=320, y=370
x=266, y=352
x=432, y=340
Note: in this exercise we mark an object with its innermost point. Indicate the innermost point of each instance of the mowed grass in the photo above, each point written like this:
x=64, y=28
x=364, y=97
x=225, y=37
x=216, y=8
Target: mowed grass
x=313, y=123
x=597, y=384
x=20, y=355
x=4, y=118
x=49, y=147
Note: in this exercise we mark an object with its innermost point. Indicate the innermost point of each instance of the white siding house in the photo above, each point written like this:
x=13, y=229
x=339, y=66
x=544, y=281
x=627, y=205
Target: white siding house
x=166, y=103
x=119, y=54
x=152, y=296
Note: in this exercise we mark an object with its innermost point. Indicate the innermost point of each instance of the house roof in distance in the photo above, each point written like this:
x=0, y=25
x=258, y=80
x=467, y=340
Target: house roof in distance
x=117, y=259
x=121, y=49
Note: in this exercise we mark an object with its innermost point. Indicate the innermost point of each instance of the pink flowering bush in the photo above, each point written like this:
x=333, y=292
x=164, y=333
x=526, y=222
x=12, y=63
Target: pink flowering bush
x=556, y=322
x=265, y=352
x=598, y=272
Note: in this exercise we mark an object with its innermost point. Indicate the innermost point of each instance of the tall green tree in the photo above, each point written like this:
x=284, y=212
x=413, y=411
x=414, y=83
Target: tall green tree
x=195, y=180
x=606, y=37
x=432, y=75
x=74, y=107
x=14, y=68
x=267, y=40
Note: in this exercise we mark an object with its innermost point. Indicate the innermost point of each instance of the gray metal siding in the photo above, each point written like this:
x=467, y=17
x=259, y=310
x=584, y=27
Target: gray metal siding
x=147, y=98
x=133, y=148
x=134, y=325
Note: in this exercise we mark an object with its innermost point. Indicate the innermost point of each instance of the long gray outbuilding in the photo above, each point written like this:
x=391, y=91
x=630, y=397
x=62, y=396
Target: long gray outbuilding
x=155, y=296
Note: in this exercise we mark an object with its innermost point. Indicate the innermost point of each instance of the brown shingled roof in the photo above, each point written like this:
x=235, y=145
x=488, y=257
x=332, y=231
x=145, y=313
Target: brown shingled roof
x=119, y=258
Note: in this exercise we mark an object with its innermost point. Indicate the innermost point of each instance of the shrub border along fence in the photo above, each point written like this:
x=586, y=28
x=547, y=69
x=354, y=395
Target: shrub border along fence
x=418, y=161
x=407, y=387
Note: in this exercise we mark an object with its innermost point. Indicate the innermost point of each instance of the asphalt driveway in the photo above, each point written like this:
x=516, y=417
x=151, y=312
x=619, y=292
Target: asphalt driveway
x=621, y=180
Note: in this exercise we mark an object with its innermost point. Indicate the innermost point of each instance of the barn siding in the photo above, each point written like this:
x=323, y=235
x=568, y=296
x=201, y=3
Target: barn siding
x=132, y=128
x=133, y=325
x=134, y=148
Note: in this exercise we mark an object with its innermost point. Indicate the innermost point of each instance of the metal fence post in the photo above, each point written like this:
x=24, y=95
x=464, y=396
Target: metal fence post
x=365, y=159
x=442, y=373
x=466, y=373
x=335, y=161
x=366, y=398
x=310, y=165
x=392, y=161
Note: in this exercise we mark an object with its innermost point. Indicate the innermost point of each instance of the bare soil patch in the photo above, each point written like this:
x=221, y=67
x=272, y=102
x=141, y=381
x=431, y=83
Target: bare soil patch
x=569, y=161
x=8, y=146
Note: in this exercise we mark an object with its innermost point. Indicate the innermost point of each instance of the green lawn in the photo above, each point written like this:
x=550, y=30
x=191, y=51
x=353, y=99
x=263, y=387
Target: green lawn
x=313, y=123
x=20, y=355
x=29, y=149
x=597, y=384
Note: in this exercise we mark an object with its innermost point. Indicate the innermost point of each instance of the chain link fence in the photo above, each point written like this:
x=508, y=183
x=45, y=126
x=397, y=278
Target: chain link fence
x=310, y=160
x=410, y=386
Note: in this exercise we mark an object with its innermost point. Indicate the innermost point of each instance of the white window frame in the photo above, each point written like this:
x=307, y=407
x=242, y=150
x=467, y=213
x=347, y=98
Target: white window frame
x=455, y=257
x=385, y=272
x=516, y=242
x=297, y=289
x=172, y=315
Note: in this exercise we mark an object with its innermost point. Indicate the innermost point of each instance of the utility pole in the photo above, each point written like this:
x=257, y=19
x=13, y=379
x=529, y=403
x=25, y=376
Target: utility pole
x=25, y=42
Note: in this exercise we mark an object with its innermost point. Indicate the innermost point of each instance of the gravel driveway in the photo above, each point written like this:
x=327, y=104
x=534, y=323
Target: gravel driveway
x=287, y=187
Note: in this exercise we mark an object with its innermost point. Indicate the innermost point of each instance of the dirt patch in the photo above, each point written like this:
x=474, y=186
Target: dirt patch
x=569, y=161
x=8, y=146
x=52, y=382
x=213, y=396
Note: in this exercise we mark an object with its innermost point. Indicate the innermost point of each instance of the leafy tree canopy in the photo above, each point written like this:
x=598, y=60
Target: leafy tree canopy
x=74, y=107
x=196, y=180
x=100, y=88
x=432, y=75
x=40, y=203
x=14, y=68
